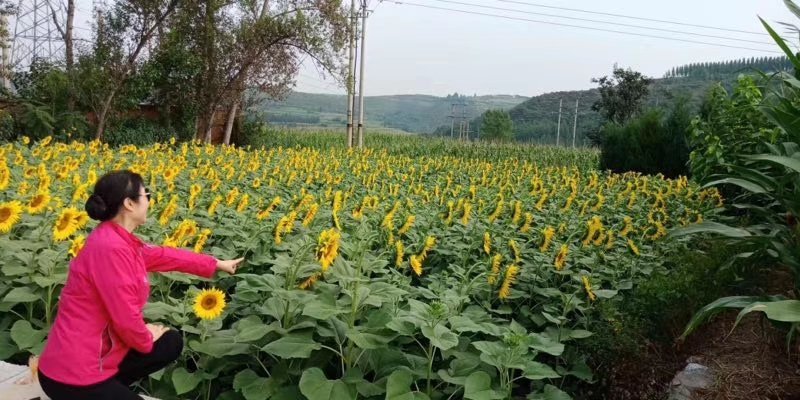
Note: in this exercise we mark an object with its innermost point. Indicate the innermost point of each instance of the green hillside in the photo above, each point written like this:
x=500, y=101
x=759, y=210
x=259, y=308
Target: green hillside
x=536, y=120
x=410, y=113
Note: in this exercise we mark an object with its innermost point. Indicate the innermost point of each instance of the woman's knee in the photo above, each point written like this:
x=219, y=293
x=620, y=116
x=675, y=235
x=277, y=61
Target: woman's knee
x=171, y=345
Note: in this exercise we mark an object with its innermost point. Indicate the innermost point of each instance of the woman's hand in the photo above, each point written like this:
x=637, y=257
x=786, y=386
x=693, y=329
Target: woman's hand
x=229, y=266
x=157, y=330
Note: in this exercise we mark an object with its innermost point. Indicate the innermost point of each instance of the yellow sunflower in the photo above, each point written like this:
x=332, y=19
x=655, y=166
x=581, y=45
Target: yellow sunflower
x=209, y=304
x=407, y=225
x=77, y=245
x=309, y=283
x=416, y=264
x=496, y=260
x=82, y=218
x=561, y=257
x=547, y=240
x=212, y=209
x=38, y=202
x=5, y=176
x=400, y=250
x=510, y=278
x=588, y=286
x=328, y=247
x=66, y=224
x=10, y=214
x=195, y=189
x=201, y=240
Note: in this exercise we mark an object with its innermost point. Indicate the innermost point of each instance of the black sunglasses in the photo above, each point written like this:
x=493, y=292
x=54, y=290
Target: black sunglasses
x=146, y=194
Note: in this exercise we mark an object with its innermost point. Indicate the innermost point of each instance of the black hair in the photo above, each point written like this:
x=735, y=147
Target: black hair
x=110, y=193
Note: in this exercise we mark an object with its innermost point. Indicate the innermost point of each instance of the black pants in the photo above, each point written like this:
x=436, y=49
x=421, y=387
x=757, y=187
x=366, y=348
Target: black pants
x=133, y=367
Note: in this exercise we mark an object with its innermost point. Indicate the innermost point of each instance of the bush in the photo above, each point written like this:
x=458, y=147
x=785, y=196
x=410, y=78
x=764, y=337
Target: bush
x=730, y=125
x=251, y=133
x=654, y=313
x=138, y=132
x=7, y=131
x=496, y=125
x=652, y=143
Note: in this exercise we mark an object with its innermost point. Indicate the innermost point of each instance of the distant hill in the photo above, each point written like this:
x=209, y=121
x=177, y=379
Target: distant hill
x=536, y=120
x=410, y=113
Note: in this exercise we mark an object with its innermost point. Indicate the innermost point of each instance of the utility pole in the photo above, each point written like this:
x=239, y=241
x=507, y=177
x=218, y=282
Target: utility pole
x=558, y=132
x=100, y=24
x=452, y=118
x=463, y=130
x=466, y=122
x=361, y=73
x=35, y=33
x=351, y=83
x=575, y=124
x=6, y=67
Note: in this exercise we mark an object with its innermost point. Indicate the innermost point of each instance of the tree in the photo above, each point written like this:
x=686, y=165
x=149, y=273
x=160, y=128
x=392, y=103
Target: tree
x=652, y=143
x=497, y=126
x=259, y=45
x=6, y=9
x=622, y=96
x=123, y=34
x=66, y=32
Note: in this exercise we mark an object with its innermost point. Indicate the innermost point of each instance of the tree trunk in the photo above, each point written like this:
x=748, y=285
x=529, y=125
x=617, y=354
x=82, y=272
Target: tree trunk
x=197, y=124
x=103, y=117
x=69, y=49
x=209, y=64
x=265, y=9
x=210, y=126
x=229, y=122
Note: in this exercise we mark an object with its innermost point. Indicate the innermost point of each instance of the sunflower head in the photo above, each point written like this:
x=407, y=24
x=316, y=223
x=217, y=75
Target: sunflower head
x=416, y=264
x=10, y=214
x=430, y=242
x=77, y=245
x=5, y=176
x=66, y=224
x=82, y=218
x=209, y=303
x=328, y=247
x=561, y=257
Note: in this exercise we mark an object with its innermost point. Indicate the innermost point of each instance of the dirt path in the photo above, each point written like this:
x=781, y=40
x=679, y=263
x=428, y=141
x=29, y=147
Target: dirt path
x=751, y=363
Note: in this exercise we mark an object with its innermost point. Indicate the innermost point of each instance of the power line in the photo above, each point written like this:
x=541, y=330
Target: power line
x=605, y=22
x=632, y=17
x=582, y=27
x=327, y=83
x=317, y=86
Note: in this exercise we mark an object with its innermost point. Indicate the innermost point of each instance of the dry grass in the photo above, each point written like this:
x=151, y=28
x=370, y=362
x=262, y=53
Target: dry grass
x=750, y=362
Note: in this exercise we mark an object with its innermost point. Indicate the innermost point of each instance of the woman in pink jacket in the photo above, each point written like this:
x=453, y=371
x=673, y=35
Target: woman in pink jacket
x=99, y=343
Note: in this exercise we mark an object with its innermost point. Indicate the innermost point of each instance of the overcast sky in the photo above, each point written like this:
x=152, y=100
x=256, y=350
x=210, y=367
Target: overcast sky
x=418, y=50
x=412, y=49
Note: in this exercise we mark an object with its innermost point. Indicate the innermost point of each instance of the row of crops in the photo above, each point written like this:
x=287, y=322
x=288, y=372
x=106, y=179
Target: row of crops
x=369, y=274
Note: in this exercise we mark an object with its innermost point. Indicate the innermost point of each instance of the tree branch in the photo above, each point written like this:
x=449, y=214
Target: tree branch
x=55, y=21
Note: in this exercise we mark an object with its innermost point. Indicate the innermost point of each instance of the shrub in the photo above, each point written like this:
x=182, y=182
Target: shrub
x=137, y=132
x=652, y=143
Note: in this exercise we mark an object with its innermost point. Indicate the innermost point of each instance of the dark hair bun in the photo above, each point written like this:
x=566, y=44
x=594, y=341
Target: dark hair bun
x=110, y=192
x=96, y=208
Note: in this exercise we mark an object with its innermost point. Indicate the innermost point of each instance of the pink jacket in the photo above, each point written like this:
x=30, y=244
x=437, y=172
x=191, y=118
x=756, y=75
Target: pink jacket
x=100, y=309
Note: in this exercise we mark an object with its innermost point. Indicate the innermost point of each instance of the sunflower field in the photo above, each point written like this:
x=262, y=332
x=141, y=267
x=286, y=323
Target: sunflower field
x=368, y=274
